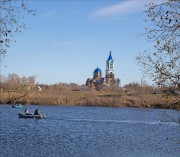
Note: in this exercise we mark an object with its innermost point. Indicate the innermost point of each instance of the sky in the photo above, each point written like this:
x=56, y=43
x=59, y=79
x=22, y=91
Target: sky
x=68, y=39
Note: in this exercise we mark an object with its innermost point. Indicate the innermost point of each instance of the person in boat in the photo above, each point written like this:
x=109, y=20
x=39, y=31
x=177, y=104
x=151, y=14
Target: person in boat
x=27, y=111
x=36, y=112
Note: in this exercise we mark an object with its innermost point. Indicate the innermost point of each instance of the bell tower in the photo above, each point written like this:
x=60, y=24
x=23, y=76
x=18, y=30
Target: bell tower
x=110, y=74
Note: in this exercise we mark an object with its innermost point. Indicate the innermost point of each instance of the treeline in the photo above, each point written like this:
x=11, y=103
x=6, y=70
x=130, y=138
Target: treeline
x=14, y=87
x=25, y=90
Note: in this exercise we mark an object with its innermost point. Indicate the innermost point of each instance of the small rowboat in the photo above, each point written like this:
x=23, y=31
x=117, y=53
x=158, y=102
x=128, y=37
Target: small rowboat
x=17, y=106
x=22, y=115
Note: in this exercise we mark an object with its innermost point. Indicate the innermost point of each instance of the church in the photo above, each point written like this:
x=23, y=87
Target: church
x=98, y=81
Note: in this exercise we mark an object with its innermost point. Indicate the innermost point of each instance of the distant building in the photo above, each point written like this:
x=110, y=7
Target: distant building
x=109, y=80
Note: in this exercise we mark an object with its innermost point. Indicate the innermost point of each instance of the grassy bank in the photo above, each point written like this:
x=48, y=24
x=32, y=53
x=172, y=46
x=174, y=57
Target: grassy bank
x=133, y=95
x=97, y=98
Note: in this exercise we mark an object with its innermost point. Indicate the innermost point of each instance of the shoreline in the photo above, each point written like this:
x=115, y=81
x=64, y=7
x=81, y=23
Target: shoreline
x=117, y=98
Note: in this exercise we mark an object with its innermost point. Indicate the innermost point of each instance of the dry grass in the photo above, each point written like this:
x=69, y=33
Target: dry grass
x=66, y=96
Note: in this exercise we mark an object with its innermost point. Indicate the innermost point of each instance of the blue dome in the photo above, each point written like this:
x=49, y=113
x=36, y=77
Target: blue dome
x=97, y=73
x=97, y=70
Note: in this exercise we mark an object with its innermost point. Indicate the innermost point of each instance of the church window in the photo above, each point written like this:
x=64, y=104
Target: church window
x=111, y=66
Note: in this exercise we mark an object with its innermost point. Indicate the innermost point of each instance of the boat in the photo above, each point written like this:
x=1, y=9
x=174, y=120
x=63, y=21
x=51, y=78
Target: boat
x=23, y=115
x=17, y=106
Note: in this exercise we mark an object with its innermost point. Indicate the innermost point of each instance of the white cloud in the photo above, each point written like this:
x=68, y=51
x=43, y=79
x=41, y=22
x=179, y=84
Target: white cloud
x=66, y=43
x=50, y=14
x=125, y=7
x=118, y=9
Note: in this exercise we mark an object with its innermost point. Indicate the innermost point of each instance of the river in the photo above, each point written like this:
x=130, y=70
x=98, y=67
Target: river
x=75, y=131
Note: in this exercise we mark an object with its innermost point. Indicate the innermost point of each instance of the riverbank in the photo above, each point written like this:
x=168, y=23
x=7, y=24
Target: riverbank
x=99, y=98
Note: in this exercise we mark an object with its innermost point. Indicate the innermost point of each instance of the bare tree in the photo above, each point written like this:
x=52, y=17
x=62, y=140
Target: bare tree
x=15, y=88
x=12, y=13
x=162, y=63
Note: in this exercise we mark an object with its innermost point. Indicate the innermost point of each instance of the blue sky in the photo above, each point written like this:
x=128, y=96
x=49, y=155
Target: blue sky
x=67, y=40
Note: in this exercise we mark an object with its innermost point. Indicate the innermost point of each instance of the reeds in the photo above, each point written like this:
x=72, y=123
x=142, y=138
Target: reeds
x=67, y=96
x=94, y=98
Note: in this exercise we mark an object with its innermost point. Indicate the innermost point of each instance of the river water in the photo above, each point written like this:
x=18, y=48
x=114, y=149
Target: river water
x=76, y=131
